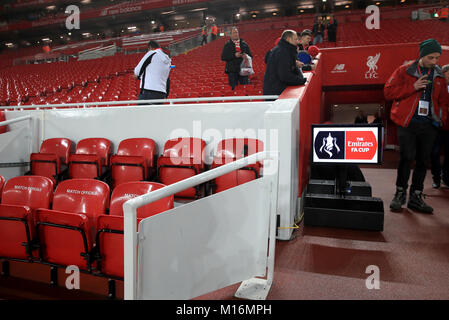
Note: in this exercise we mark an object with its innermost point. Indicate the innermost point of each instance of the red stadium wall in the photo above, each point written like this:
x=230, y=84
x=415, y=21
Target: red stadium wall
x=345, y=76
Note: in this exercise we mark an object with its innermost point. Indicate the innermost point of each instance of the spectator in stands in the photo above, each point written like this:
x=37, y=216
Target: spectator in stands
x=305, y=38
x=441, y=173
x=361, y=117
x=214, y=32
x=282, y=69
x=377, y=118
x=232, y=54
x=153, y=71
x=420, y=95
x=318, y=31
x=332, y=29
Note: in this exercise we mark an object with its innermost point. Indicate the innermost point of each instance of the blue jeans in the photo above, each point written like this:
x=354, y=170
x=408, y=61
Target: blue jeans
x=317, y=39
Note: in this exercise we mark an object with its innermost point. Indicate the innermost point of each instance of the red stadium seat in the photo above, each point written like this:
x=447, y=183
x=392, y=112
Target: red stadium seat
x=134, y=160
x=67, y=231
x=182, y=158
x=109, y=240
x=21, y=196
x=230, y=150
x=53, y=153
x=91, y=158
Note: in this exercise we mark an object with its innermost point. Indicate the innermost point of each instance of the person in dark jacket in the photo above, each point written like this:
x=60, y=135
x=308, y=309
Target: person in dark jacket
x=282, y=68
x=332, y=29
x=318, y=31
x=232, y=54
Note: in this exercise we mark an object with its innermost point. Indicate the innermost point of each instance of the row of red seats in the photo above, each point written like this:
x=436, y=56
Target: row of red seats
x=78, y=224
x=136, y=160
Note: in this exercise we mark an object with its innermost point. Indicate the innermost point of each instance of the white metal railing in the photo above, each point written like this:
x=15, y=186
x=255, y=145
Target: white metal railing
x=143, y=102
x=5, y=123
x=130, y=218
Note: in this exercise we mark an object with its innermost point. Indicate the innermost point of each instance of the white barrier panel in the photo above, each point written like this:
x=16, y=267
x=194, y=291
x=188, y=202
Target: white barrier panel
x=205, y=245
x=16, y=146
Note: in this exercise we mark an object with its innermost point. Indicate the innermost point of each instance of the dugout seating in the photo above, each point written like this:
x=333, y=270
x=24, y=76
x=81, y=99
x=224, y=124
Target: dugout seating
x=21, y=196
x=52, y=157
x=109, y=238
x=134, y=160
x=230, y=150
x=182, y=158
x=91, y=159
x=67, y=231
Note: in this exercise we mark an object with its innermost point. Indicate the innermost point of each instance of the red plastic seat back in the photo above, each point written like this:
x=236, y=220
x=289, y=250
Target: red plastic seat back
x=95, y=146
x=64, y=245
x=31, y=191
x=133, y=160
x=143, y=147
x=59, y=146
x=86, y=196
x=91, y=156
x=185, y=148
x=238, y=148
x=21, y=195
x=182, y=159
x=110, y=245
x=129, y=190
x=230, y=150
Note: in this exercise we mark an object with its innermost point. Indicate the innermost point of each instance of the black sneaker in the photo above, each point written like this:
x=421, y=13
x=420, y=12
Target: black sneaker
x=446, y=183
x=398, y=200
x=417, y=203
x=436, y=184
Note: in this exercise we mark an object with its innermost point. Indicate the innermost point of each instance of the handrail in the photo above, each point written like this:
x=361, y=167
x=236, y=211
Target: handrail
x=130, y=211
x=125, y=102
x=5, y=123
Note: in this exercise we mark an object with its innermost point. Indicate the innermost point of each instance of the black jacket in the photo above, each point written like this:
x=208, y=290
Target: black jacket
x=281, y=69
x=228, y=55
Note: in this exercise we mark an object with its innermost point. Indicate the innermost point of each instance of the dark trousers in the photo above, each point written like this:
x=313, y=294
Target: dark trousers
x=442, y=140
x=235, y=79
x=150, y=95
x=415, y=143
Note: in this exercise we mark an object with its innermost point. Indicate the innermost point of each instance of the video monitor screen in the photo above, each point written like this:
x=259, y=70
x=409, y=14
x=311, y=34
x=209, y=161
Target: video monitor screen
x=354, y=144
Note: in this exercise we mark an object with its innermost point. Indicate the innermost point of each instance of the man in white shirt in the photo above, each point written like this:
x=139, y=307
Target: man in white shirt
x=153, y=71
